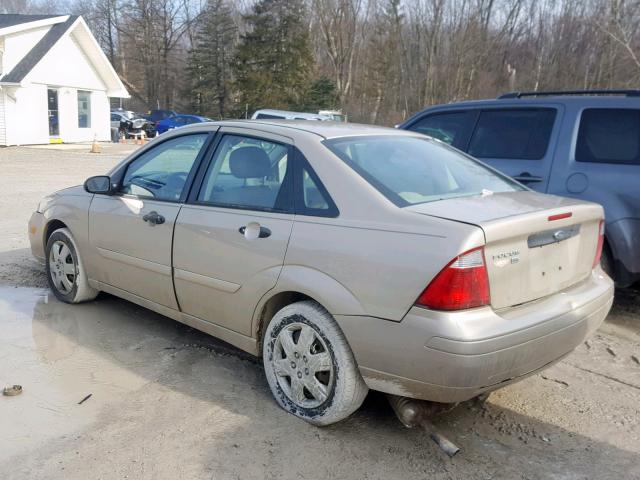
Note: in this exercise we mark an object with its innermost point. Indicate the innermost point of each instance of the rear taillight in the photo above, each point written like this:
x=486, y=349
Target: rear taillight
x=463, y=283
x=596, y=260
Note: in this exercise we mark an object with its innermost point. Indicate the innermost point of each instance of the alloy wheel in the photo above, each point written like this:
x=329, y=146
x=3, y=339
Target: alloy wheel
x=303, y=365
x=62, y=267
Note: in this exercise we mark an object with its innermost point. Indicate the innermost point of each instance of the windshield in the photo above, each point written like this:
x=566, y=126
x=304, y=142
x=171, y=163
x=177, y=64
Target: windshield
x=411, y=170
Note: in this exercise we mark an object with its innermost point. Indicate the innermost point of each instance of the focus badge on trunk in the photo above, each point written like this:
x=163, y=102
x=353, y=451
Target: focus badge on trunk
x=504, y=258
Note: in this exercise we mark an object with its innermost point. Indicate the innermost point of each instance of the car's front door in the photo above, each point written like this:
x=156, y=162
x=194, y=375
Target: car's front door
x=130, y=233
x=231, y=238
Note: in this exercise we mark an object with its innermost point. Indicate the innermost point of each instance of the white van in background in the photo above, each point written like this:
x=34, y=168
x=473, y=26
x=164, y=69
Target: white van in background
x=285, y=115
x=322, y=116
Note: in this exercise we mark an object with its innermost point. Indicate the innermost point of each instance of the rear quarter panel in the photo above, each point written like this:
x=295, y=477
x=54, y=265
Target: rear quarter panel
x=378, y=270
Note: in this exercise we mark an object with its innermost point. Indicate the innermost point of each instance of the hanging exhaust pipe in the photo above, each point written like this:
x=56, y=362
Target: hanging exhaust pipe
x=414, y=413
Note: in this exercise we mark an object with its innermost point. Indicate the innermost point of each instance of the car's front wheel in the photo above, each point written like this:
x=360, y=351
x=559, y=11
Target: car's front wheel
x=309, y=366
x=65, y=270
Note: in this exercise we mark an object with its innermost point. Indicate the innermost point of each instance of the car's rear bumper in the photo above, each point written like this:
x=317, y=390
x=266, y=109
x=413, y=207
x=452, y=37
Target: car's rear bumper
x=454, y=356
x=36, y=226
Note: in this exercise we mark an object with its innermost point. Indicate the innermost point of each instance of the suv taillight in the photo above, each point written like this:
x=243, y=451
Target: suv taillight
x=463, y=283
x=596, y=260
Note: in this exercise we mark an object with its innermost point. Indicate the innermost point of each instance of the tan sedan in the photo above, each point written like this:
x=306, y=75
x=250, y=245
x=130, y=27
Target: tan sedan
x=349, y=257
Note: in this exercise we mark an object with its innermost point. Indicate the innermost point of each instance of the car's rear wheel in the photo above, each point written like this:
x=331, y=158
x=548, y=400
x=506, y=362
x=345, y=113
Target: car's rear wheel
x=65, y=270
x=309, y=366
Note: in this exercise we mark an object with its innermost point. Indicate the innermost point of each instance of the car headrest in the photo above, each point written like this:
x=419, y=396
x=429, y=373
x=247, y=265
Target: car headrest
x=249, y=162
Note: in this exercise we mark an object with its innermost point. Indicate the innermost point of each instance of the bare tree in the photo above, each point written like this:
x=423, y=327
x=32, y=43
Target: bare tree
x=340, y=22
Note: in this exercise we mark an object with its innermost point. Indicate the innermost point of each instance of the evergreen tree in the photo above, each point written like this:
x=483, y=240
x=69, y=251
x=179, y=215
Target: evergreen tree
x=322, y=95
x=273, y=64
x=209, y=67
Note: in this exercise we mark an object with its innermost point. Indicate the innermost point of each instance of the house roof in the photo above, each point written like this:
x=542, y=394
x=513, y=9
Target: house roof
x=41, y=48
x=59, y=27
x=10, y=20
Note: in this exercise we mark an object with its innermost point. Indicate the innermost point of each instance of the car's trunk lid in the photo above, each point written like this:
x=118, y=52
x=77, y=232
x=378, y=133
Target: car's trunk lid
x=529, y=253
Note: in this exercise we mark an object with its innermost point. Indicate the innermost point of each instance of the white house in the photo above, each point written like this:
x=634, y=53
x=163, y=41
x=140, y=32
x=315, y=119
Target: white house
x=55, y=81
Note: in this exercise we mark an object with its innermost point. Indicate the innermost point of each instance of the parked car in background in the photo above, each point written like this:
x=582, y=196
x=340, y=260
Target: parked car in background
x=349, y=257
x=581, y=144
x=335, y=115
x=156, y=116
x=178, y=121
x=130, y=125
x=266, y=114
x=125, y=113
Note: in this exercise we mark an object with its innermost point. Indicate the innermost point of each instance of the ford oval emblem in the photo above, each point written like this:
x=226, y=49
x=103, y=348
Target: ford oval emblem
x=560, y=235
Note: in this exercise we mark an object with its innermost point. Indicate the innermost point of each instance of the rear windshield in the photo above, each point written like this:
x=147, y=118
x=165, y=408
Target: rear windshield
x=410, y=170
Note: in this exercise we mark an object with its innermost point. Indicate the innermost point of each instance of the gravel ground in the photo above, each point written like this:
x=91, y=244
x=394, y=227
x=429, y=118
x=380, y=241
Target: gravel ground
x=170, y=402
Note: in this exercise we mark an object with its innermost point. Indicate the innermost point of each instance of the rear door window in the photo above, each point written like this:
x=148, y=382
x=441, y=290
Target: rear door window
x=453, y=128
x=248, y=173
x=518, y=134
x=310, y=195
x=609, y=135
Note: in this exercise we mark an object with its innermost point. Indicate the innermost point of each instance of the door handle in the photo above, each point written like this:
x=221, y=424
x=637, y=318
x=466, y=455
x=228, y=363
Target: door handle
x=249, y=231
x=526, y=177
x=154, y=218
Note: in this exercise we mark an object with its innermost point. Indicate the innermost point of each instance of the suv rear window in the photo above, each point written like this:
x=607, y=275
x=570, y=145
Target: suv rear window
x=518, y=134
x=609, y=135
x=412, y=170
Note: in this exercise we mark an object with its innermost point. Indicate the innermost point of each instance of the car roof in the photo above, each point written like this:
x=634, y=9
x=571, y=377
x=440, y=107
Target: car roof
x=324, y=130
x=567, y=99
x=576, y=101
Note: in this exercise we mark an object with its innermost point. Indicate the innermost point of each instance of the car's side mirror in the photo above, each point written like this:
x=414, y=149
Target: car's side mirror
x=98, y=184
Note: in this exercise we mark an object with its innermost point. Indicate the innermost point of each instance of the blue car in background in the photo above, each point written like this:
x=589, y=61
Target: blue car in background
x=178, y=121
x=582, y=144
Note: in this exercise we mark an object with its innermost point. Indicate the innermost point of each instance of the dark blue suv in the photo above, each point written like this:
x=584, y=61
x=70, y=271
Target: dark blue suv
x=583, y=144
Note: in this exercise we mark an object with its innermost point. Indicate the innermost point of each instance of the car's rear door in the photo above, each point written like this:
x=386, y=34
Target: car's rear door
x=231, y=237
x=130, y=233
x=602, y=163
x=518, y=141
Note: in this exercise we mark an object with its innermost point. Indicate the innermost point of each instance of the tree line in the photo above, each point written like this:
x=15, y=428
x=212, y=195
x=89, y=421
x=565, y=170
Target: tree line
x=376, y=60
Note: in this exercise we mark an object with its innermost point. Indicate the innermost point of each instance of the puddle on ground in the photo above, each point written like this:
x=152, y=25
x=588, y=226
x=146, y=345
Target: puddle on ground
x=61, y=353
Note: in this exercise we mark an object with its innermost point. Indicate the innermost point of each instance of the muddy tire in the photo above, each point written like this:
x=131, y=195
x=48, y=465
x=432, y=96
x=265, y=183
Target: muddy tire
x=66, y=274
x=309, y=366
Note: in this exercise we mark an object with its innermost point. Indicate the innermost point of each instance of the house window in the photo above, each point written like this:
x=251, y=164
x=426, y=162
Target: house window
x=84, y=109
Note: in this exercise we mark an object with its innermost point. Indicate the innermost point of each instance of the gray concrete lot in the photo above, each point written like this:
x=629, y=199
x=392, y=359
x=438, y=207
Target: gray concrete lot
x=170, y=402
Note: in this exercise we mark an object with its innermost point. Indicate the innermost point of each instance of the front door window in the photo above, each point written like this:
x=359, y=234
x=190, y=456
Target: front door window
x=161, y=173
